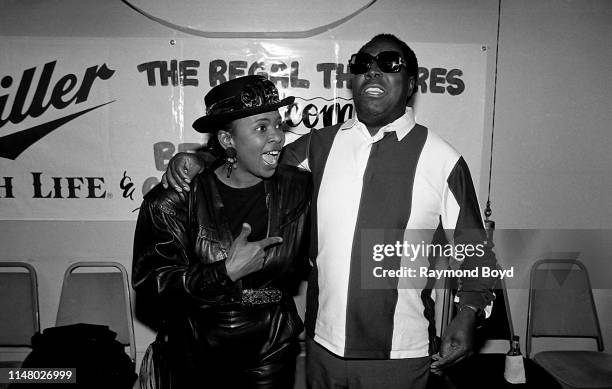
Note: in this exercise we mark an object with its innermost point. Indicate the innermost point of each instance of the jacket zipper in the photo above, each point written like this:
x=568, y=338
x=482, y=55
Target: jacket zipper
x=269, y=214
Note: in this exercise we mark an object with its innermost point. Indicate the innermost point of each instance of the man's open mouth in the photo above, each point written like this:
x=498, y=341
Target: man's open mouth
x=374, y=91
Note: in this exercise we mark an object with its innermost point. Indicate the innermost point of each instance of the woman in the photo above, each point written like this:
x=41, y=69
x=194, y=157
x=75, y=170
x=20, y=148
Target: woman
x=219, y=262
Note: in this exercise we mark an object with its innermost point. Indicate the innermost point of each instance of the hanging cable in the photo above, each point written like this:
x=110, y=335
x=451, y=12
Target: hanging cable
x=490, y=224
x=488, y=211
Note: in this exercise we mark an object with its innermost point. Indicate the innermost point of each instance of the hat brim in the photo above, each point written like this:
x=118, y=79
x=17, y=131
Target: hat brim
x=210, y=123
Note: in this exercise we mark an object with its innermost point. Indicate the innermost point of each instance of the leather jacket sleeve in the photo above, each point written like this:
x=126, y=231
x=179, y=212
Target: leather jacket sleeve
x=164, y=265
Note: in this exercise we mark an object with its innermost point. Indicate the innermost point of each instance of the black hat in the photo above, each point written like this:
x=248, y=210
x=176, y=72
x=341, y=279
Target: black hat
x=239, y=98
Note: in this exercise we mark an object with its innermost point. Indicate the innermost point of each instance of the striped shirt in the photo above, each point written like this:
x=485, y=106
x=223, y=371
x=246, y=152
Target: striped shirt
x=403, y=178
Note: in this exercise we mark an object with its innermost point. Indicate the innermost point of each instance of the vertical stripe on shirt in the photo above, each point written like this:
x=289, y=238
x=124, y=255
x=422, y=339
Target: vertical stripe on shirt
x=388, y=182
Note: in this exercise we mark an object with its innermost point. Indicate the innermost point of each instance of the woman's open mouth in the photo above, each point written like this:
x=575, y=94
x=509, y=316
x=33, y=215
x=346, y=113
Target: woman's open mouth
x=271, y=157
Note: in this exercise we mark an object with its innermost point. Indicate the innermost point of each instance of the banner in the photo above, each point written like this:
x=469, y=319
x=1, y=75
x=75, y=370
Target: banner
x=87, y=125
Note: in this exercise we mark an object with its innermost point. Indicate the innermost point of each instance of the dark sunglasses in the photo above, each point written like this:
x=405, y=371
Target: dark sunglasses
x=387, y=62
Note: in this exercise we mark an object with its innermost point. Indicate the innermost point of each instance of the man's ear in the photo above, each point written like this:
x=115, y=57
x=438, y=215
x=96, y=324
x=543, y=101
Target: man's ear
x=411, y=86
x=411, y=90
x=225, y=139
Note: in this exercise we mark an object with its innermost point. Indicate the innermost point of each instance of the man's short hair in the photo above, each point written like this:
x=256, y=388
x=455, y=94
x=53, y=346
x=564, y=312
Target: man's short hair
x=412, y=65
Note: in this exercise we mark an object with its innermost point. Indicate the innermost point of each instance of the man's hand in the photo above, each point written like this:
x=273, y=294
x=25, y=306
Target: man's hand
x=457, y=341
x=182, y=168
x=247, y=257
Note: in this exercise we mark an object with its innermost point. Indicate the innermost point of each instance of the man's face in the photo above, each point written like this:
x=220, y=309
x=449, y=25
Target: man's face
x=380, y=98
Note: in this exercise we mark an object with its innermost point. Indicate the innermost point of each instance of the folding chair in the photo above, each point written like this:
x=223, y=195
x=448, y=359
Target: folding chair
x=99, y=295
x=19, y=314
x=561, y=305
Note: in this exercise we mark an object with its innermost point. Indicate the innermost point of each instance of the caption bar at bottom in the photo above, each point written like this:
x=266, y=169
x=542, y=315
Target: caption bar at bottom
x=37, y=375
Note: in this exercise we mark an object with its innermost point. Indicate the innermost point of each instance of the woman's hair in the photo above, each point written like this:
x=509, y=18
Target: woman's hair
x=213, y=145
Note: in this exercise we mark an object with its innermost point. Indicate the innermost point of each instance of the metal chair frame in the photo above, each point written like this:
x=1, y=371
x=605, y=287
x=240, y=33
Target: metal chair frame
x=126, y=290
x=35, y=318
x=530, y=314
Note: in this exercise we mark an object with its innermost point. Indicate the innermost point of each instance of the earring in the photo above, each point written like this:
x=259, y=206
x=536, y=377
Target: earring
x=230, y=160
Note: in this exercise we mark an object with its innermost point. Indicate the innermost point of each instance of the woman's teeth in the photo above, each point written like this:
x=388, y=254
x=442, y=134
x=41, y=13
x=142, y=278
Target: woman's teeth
x=271, y=157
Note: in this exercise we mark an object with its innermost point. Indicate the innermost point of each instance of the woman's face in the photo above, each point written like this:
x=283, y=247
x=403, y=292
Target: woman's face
x=258, y=141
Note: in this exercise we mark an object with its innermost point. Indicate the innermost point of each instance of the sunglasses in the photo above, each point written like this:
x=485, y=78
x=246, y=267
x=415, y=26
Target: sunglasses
x=386, y=61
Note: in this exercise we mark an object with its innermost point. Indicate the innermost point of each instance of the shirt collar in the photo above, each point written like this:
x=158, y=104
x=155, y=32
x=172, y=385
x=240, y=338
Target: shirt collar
x=401, y=126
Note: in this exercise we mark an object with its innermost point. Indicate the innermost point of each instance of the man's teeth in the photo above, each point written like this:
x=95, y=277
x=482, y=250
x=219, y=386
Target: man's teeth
x=373, y=90
x=271, y=157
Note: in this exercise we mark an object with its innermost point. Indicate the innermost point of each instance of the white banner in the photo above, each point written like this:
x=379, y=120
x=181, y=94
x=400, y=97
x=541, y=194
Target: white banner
x=87, y=125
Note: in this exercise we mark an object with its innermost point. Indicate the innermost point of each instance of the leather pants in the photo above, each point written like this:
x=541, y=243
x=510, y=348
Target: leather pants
x=240, y=349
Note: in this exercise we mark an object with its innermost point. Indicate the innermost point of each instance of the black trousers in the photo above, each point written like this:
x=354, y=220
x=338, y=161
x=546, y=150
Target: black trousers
x=325, y=370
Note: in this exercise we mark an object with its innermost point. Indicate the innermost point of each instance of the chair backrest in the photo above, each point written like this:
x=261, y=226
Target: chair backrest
x=98, y=296
x=561, y=302
x=19, y=313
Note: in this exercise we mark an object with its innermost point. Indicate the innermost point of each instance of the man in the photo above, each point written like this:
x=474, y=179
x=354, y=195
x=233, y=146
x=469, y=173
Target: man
x=383, y=172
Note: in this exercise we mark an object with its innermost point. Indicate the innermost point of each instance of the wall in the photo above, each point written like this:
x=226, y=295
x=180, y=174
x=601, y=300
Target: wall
x=552, y=132
x=552, y=116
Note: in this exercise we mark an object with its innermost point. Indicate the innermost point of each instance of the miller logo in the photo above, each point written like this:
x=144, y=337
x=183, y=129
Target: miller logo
x=11, y=146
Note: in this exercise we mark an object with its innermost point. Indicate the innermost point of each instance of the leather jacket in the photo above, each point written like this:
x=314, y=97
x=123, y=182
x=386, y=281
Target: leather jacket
x=181, y=243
